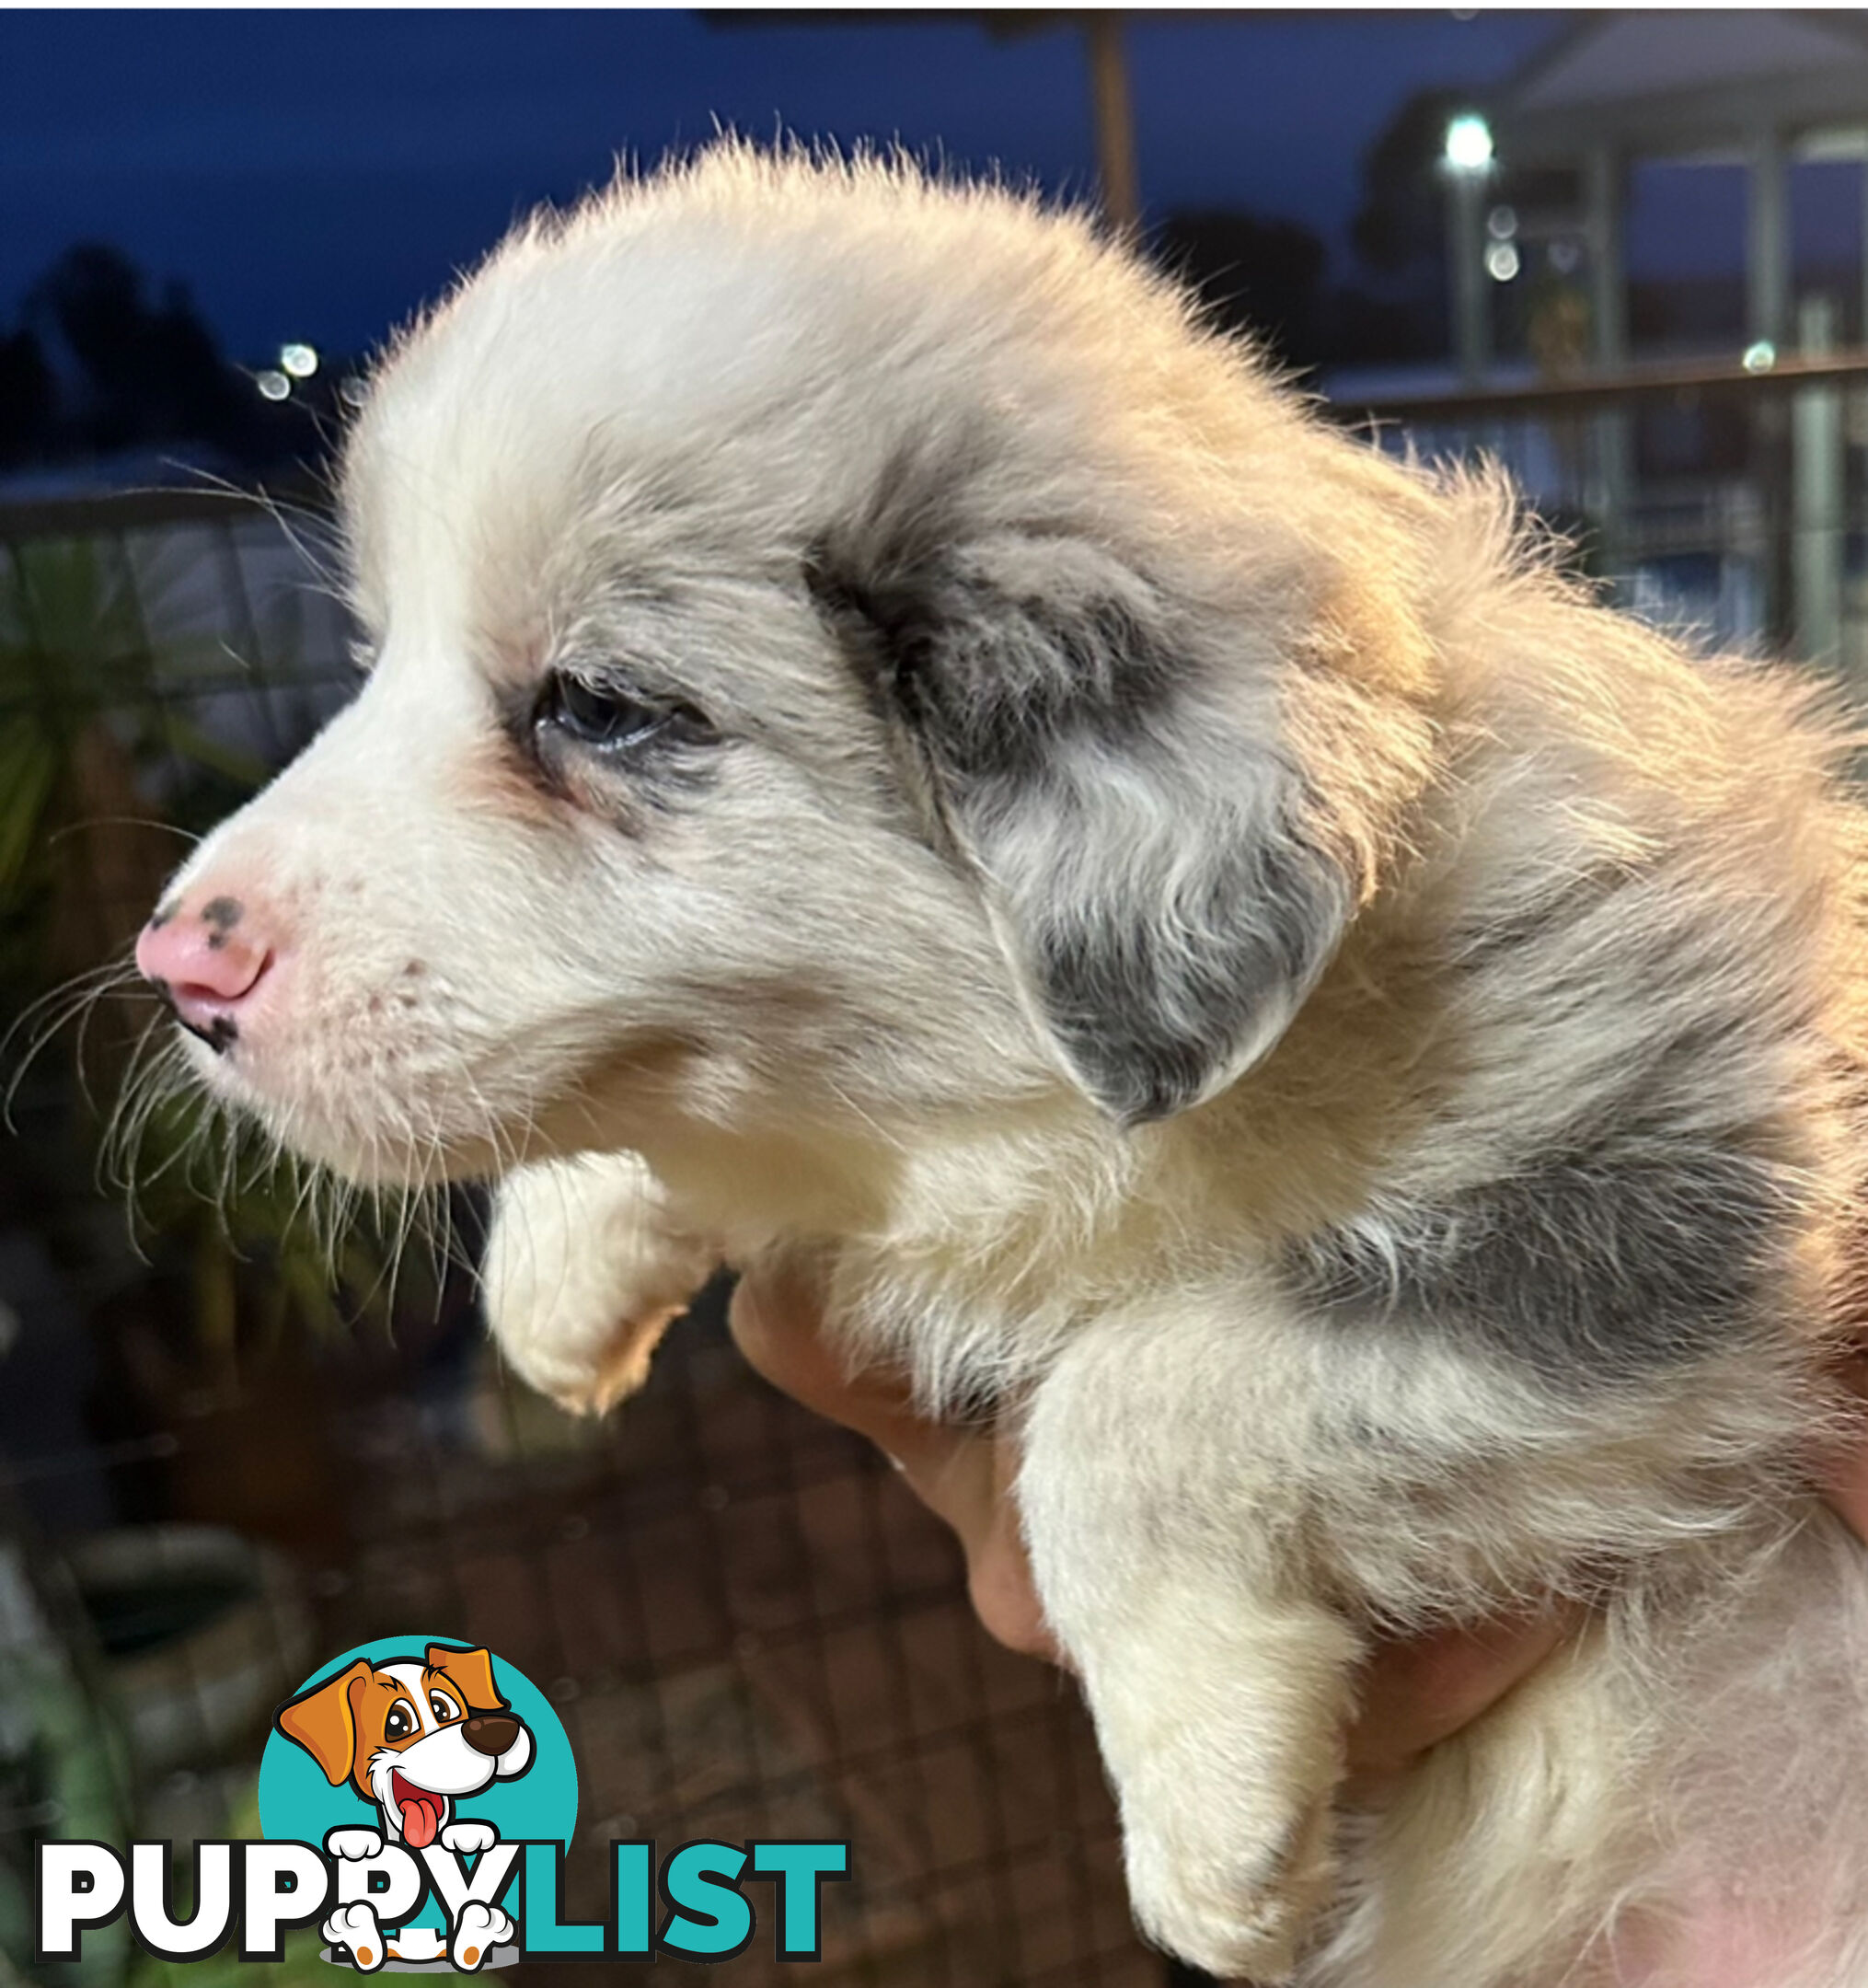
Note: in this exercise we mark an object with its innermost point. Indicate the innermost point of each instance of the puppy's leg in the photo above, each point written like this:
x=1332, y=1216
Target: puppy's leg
x=1162, y=1514
x=355, y=1927
x=585, y=1270
x=479, y=1930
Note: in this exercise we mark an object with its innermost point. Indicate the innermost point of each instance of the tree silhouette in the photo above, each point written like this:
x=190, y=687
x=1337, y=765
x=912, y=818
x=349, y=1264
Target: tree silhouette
x=1400, y=229
x=1270, y=279
x=1265, y=277
x=1398, y=232
x=144, y=375
x=94, y=368
x=27, y=396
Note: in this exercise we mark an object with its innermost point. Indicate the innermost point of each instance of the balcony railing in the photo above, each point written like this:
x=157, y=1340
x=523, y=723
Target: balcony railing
x=1726, y=497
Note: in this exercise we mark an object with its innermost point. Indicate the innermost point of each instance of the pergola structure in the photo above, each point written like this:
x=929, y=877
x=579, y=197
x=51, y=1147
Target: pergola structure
x=1760, y=86
x=1763, y=89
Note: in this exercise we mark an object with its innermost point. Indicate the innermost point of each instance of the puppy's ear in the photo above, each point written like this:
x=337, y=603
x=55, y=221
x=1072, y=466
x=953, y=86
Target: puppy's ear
x=471, y=1672
x=324, y=1723
x=1156, y=866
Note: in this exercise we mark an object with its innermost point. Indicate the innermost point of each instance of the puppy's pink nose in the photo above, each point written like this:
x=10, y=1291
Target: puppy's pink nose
x=207, y=960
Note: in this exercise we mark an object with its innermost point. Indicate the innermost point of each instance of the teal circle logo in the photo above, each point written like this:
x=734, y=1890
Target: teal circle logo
x=431, y=1746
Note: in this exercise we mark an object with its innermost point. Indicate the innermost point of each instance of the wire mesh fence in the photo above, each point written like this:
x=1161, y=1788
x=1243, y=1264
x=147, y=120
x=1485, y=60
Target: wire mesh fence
x=225, y=1457
x=220, y=1466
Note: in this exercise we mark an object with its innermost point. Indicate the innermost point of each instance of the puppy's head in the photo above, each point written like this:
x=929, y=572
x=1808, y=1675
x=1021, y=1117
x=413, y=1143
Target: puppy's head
x=412, y=1736
x=838, y=651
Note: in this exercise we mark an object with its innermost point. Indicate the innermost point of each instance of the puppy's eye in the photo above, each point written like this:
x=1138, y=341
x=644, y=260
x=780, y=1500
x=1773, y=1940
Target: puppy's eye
x=612, y=721
x=443, y=1707
x=401, y=1722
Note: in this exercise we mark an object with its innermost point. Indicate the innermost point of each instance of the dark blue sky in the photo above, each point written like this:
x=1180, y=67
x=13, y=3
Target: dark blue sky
x=316, y=175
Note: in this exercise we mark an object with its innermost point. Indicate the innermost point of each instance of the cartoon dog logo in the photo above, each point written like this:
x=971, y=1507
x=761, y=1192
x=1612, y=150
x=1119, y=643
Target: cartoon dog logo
x=415, y=1738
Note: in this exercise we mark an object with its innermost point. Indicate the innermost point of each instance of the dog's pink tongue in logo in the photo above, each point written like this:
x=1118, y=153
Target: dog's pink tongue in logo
x=421, y=1813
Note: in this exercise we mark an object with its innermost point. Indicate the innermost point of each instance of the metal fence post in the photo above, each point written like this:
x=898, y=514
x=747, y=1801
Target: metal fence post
x=1817, y=498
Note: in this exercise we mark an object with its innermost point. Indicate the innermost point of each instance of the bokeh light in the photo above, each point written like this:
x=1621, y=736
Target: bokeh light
x=1469, y=142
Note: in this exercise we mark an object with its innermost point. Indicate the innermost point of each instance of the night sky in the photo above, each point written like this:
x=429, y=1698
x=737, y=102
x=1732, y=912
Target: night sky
x=316, y=175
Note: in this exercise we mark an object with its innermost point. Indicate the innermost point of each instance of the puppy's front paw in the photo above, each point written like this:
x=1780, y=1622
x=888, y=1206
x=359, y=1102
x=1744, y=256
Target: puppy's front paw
x=476, y=1931
x=355, y=1927
x=1226, y=1748
x=585, y=1272
x=352, y=1844
x=1223, y=1884
x=468, y=1839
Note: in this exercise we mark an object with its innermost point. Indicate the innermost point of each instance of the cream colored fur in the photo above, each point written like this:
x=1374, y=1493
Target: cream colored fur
x=1525, y=873
x=583, y=1274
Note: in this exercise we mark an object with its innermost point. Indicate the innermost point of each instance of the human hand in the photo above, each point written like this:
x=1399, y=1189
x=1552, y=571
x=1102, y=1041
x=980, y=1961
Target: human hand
x=1414, y=1693
x=962, y=1475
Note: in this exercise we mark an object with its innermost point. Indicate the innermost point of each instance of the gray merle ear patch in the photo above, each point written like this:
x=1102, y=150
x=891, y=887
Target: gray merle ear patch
x=1178, y=978
x=992, y=680
x=1147, y=866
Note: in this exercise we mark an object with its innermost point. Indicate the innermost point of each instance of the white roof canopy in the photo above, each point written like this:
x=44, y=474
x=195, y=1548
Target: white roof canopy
x=1656, y=81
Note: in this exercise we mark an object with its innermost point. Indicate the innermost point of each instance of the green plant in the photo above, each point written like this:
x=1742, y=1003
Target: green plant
x=83, y=714
x=105, y=776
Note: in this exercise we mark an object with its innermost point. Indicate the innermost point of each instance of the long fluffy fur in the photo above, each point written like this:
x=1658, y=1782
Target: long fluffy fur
x=1210, y=945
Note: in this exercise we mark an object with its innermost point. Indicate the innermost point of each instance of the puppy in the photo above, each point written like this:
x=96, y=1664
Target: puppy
x=886, y=744
x=414, y=1737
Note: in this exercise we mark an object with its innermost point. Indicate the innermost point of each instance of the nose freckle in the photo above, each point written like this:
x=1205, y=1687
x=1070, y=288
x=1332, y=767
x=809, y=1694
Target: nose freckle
x=204, y=963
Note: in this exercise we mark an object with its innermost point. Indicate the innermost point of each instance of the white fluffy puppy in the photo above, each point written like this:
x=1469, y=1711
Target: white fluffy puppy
x=886, y=743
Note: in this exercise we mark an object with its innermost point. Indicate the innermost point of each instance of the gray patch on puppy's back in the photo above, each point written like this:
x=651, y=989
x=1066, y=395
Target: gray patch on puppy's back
x=1587, y=1267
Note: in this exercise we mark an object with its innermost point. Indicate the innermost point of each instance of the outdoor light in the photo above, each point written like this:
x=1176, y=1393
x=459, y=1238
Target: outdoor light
x=273, y=385
x=1500, y=223
x=299, y=361
x=1760, y=357
x=353, y=390
x=1476, y=239
x=1469, y=142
